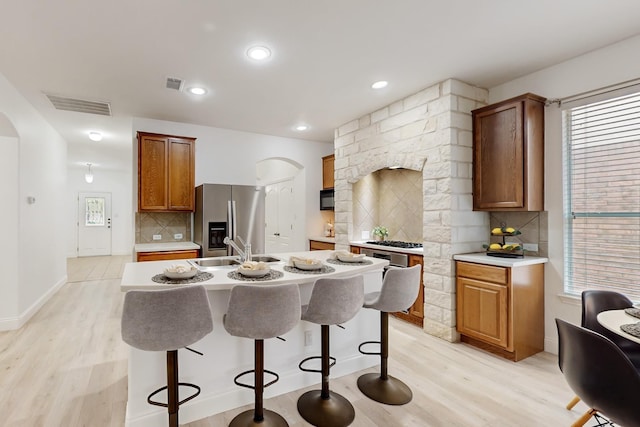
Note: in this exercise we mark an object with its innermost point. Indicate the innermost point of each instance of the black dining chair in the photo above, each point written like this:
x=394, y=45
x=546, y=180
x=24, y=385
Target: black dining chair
x=600, y=374
x=593, y=303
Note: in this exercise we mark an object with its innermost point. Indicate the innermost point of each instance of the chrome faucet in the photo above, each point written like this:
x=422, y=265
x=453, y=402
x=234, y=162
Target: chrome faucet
x=245, y=255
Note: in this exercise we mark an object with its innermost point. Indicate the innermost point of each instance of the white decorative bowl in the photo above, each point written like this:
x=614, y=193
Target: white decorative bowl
x=349, y=257
x=303, y=265
x=180, y=273
x=253, y=273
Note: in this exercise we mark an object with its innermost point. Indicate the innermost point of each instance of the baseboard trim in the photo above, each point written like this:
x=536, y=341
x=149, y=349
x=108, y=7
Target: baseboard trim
x=13, y=323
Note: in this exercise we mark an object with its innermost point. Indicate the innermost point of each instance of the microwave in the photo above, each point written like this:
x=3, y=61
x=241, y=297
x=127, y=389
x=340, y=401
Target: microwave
x=326, y=200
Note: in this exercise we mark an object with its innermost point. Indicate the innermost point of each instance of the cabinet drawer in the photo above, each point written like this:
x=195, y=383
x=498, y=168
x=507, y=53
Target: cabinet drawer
x=166, y=255
x=315, y=245
x=487, y=273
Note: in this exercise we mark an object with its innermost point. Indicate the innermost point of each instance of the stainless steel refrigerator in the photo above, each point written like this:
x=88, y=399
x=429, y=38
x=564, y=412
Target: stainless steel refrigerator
x=229, y=210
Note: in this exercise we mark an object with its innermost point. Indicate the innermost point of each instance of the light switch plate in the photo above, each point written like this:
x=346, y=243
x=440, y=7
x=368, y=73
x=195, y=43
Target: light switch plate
x=365, y=235
x=157, y=237
x=531, y=247
x=177, y=236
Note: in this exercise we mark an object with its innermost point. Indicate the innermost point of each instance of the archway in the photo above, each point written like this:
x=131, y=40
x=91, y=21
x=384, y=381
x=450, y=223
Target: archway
x=284, y=207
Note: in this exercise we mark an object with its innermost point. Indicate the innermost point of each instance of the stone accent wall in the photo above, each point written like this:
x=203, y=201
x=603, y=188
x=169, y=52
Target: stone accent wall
x=430, y=132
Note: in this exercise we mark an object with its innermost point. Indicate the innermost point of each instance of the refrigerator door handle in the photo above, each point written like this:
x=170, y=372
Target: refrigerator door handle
x=230, y=226
x=233, y=219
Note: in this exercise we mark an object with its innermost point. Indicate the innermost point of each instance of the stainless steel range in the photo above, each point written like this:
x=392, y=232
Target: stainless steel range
x=395, y=259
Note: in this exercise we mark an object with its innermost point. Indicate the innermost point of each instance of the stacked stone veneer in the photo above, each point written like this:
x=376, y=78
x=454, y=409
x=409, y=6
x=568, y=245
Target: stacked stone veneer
x=431, y=132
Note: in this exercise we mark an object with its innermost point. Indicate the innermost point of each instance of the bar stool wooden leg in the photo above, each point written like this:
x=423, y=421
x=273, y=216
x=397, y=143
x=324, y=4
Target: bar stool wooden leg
x=382, y=387
x=324, y=407
x=172, y=387
x=259, y=416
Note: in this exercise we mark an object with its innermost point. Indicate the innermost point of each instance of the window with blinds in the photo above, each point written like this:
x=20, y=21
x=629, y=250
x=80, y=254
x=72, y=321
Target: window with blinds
x=602, y=196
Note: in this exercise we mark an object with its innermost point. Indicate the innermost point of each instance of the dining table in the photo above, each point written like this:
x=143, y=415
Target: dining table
x=613, y=319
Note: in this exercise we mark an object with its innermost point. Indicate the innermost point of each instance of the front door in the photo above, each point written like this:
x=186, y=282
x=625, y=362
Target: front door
x=94, y=224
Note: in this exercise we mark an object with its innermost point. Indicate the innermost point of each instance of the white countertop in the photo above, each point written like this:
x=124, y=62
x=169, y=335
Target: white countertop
x=364, y=244
x=323, y=239
x=137, y=275
x=483, y=258
x=164, y=247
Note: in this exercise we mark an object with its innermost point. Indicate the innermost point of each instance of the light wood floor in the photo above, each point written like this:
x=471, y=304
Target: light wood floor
x=68, y=366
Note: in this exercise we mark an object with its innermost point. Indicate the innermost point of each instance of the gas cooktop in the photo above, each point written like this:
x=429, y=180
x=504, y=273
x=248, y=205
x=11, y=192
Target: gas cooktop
x=395, y=244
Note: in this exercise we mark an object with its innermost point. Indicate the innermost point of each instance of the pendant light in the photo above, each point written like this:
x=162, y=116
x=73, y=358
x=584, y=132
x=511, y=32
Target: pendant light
x=88, y=176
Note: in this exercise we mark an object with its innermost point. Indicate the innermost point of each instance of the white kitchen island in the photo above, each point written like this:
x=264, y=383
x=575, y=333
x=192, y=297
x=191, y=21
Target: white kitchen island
x=226, y=356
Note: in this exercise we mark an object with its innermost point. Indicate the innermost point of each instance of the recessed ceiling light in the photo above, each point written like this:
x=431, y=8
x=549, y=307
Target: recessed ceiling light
x=259, y=53
x=95, y=136
x=197, y=90
x=380, y=84
x=302, y=127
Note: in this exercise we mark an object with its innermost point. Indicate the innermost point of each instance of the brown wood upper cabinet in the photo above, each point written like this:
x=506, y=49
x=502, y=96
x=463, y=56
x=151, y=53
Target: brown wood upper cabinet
x=166, y=173
x=508, y=155
x=327, y=171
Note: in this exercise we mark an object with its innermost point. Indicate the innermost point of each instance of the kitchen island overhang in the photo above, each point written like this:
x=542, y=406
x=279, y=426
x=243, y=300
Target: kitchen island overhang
x=226, y=356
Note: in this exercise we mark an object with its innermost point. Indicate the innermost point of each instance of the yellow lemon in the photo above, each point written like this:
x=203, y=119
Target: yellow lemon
x=496, y=231
x=495, y=246
x=510, y=230
x=506, y=247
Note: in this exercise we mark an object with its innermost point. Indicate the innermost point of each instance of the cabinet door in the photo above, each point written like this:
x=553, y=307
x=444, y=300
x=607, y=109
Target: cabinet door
x=498, y=158
x=482, y=310
x=152, y=173
x=327, y=171
x=417, y=309
x=181, y=174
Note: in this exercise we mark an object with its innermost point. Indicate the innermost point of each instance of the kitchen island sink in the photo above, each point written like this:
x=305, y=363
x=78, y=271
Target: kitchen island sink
x=214, y=261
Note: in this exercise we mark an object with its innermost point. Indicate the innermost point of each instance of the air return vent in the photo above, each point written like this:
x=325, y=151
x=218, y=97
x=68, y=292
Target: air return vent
x=174, y=83
x=80, y=105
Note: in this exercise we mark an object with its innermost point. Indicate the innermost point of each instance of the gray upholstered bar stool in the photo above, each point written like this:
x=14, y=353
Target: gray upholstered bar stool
x=167, y=320
x=333, y=301
x=399, y=290
x=260, y=312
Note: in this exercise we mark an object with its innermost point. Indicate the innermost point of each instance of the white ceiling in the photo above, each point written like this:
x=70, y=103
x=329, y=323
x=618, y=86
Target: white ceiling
x=326, y=54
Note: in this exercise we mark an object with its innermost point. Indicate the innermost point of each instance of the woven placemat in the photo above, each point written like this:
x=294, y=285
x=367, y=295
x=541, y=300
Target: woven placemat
x=631, y=311
x=631, y=329
x=323, y=270
x=338, y=262
x=200, y=277
x=273, y=274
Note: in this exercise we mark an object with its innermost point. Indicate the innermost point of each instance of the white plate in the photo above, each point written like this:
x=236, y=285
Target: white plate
x=253, y=273
x=181, y=275
x=304, y=266
x=351, y=257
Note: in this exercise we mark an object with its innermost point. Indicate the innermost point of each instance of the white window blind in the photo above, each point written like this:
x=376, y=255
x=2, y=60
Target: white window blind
x=602, y=196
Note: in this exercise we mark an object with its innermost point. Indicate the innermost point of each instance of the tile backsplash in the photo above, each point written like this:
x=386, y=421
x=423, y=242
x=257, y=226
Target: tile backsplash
x=166, y=224
x=532, y=225
x=391, y=198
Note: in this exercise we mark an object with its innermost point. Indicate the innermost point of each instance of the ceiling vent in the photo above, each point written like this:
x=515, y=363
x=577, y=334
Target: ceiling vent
x=174, y=83
x=80, y=105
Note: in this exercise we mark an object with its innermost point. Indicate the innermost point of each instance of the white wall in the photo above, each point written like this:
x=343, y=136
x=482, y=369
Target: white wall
x=41, y=160
x=118, y=183
x=9, y=220
x=614, y=64
x=225, y=156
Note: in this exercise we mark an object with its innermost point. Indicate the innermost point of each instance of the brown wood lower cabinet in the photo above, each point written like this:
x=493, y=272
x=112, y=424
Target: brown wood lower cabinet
x=316, y=245
x=501, y=309
x=166, y=255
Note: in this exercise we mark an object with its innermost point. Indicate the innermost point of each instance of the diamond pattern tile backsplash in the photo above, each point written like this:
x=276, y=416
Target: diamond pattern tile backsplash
x=167, y=224
x=391, y=198
x=532, y=225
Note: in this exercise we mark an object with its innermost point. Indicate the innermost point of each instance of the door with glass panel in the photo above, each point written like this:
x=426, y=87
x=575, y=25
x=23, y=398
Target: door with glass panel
x=94, y=224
